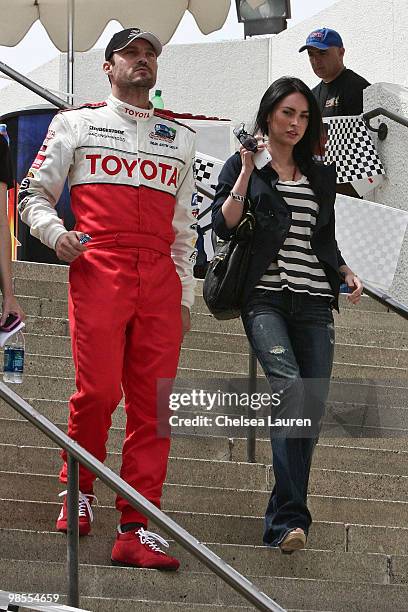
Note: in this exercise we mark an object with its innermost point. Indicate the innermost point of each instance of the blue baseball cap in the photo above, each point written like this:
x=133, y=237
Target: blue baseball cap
x=322, y=39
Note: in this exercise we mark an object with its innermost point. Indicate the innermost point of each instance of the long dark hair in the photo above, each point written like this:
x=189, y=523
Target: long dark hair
x=304, y=150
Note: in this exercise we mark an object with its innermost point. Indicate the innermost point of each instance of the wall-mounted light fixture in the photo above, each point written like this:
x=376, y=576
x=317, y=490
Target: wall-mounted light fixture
x=263, y=16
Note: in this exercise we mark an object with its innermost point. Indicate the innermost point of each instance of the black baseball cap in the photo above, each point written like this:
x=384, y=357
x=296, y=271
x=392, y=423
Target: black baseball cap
x=122, y=39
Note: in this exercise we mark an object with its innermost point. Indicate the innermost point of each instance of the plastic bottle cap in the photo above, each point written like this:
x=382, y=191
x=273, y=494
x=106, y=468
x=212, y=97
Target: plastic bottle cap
x=157, y=92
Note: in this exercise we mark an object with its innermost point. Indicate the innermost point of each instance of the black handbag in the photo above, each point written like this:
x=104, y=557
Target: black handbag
x=226, y=274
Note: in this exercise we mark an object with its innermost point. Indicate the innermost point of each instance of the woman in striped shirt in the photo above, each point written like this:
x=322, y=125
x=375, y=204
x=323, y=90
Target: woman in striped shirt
x=292, y=285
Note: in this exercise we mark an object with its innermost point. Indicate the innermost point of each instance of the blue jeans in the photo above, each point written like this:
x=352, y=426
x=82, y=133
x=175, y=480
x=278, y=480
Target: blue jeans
x=292, y=335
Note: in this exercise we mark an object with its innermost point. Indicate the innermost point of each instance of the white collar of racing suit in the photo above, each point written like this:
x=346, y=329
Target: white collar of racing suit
x=134, y=113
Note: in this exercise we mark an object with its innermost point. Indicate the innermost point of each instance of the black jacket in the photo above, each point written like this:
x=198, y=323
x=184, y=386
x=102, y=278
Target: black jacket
x=343, y=96
x=273, y=219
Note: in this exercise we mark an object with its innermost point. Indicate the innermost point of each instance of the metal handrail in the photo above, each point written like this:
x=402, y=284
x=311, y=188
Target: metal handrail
x=382, y=129
x=34, y=87
x=386, y=300
x=78, y=454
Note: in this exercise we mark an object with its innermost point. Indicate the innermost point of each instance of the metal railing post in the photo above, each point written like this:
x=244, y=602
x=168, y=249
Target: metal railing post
x=73, y=531
x=251, y=432
x=70, y=51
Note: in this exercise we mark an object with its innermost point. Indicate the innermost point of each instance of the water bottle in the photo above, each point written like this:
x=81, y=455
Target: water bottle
x=157, y=100
x=3, y=132
x=14, y=358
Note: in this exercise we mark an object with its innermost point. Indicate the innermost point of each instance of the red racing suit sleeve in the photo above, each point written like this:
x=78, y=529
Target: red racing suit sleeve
x=183, y=249
x=41, y=189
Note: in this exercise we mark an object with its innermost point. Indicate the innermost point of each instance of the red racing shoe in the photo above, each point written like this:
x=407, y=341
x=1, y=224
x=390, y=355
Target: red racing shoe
x=141, y=548
x=85, y=513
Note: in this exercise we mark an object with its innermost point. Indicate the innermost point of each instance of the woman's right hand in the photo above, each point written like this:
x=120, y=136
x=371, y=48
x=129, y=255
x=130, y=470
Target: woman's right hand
x=247, y=158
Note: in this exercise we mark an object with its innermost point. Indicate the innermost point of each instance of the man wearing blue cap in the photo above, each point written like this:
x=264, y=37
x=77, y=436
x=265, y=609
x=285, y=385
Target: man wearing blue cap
x=340, y=91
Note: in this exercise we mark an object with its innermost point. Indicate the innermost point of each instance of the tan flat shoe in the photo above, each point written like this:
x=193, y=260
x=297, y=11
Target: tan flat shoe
x=295, y=540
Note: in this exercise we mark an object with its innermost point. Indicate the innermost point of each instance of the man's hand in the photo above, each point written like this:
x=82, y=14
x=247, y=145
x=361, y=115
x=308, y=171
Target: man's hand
x=68, y=247
x=185, y=320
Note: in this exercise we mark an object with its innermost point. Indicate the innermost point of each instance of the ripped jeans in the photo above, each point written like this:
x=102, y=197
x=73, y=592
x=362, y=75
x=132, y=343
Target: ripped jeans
x=292, y=335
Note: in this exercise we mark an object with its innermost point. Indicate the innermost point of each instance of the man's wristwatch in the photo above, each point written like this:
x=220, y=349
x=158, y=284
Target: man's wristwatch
x=237, y=197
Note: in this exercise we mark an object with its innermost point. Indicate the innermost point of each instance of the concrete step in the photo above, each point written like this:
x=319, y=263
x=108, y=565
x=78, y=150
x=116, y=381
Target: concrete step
x=220, y=528
x=46, y=326
x=50, y=299
x=51, y=306
x=105, y=604
x=32, y=271
x=371, y=393
x=181, y=471
x=349, y=420
x=43, y=487
x=346, y=339
x=59, y=273
x=347, y=318
x=352, y=420
x=126, y=605
x=248, y=560
x=44, y=306
x=229, y=474
x=228, y=529
x=216, y=362
x=39, y=271
x=359, y=319
x=43, y=344
x=237, y=344
x=342, y=421
x=15, y=430
x=191, y=587
x=52, y=289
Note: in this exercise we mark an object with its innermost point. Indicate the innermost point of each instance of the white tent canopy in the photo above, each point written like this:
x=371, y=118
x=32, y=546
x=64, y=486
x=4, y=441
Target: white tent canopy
x=91, y=17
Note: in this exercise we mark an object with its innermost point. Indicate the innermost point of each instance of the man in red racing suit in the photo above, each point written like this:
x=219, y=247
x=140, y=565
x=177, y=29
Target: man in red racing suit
x=131, y=286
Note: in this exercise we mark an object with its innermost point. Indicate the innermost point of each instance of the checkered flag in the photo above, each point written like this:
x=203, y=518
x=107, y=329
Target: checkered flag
x=349, y=145
x=203, y=168
x=206, y=171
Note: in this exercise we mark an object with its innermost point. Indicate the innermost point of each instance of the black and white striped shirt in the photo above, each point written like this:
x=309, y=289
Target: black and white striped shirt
x=296, y=267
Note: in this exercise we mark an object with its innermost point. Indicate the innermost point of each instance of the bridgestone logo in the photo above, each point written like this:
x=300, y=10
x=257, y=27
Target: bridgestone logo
x=104, y=129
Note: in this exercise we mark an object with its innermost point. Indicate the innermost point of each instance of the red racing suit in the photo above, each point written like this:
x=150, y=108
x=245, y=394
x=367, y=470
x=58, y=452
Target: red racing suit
x=131, y=183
